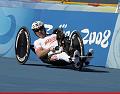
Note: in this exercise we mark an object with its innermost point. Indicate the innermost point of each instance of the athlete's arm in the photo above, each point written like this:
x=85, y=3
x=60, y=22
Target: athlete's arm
x=41, y=53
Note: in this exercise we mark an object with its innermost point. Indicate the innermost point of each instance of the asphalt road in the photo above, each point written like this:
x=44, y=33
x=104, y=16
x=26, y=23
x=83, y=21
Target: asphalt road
x=35, y=76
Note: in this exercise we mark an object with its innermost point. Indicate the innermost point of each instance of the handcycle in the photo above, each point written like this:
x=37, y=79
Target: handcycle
x=72, y=42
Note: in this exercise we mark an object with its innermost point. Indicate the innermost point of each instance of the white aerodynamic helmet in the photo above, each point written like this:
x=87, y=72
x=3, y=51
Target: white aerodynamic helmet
x=37, y=25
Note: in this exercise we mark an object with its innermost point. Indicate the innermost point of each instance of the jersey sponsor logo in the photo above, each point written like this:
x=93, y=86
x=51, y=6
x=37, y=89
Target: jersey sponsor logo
x=50, y=40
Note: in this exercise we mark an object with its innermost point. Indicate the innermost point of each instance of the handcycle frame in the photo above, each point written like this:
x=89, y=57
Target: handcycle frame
x=23, y=46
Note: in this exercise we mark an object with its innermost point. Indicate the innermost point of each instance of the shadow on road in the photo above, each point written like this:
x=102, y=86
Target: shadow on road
x=85, y=69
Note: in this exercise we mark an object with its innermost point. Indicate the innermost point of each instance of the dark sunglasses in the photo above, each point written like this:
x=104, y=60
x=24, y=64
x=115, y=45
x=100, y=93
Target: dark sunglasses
x=41, y=29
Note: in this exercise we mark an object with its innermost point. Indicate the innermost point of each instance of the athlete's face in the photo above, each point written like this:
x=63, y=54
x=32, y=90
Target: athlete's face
x=40, y=33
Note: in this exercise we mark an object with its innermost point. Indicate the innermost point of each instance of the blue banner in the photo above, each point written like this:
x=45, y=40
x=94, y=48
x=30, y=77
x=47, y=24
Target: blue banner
x=95, y=28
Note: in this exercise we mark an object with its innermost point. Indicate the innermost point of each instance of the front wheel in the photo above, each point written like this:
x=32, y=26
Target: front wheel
x=22, y=45
x=77, y=45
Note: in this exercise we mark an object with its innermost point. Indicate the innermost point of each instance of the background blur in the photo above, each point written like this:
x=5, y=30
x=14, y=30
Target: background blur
x=76, y=5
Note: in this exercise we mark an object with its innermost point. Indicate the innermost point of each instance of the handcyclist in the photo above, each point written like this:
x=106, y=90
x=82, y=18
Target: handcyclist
x=45, y=46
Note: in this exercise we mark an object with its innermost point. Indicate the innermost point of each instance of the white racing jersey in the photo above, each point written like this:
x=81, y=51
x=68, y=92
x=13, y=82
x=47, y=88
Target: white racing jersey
x=51, y=41
x=47, y=42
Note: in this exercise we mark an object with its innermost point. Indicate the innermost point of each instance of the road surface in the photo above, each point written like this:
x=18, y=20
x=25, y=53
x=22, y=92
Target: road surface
x=35, y=76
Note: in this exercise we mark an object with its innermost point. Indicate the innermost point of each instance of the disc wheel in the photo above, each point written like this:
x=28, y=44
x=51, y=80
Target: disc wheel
x=22, y=45
x=77, y=44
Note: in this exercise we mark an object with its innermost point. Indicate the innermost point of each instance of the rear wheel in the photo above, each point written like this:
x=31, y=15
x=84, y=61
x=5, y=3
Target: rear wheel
x=77, y=44
x=22, y=45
